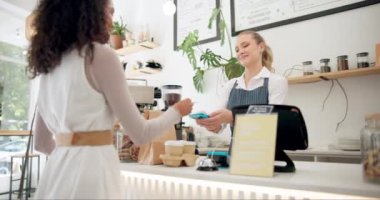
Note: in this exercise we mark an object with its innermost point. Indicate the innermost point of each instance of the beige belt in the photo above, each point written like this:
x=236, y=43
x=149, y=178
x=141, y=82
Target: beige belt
x=90, y=138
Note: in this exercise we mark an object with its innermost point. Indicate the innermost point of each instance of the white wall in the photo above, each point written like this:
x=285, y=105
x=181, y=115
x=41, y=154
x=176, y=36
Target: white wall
x=345, y=33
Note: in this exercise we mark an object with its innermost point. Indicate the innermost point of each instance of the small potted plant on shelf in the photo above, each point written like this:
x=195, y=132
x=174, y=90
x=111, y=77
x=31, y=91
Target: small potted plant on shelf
x=118, y=31
x=190, y=46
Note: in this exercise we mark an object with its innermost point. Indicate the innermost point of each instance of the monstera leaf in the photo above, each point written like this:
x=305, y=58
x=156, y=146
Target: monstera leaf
x=198, y=80
x=210, y=60
x=233, y=68
x=187, y=47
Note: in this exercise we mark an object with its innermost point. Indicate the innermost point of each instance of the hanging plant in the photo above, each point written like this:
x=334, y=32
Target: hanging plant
x=210, y=60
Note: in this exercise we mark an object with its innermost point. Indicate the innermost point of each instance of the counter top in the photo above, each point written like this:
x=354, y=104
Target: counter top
x=332, y=178
x=326, y=151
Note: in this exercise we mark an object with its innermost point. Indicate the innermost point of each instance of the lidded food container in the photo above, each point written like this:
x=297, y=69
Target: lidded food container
x=325, y=65
x=189, y=147
x=174, y=147
x=370, y=148
x=362, y=59
x=342, y=62
x=308, y=68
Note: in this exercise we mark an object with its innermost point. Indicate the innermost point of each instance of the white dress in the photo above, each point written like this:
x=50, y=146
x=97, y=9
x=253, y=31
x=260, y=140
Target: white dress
x=67, y=103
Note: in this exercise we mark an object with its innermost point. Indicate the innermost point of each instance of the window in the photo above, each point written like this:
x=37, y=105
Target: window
x=14, y=88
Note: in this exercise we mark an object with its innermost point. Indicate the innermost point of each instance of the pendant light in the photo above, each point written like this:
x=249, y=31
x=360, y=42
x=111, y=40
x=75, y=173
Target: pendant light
x=169, y=8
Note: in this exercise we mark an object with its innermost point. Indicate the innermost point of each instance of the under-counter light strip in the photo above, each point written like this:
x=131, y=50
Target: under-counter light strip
x=147, y=186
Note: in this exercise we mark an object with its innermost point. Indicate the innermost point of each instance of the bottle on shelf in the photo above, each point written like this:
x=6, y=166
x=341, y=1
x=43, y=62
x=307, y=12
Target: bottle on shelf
x=308, y=68
x=370, y=148
x=325, y=65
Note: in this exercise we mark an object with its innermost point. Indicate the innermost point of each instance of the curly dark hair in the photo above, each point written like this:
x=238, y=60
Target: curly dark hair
x=62, y=25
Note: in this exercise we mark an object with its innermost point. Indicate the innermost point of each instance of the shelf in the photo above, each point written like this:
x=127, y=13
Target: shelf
x=14, y=133
x=334, y=75
x=132, y=73
x=136, y=48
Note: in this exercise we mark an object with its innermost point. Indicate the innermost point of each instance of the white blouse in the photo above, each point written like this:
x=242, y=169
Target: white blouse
x=277, y=86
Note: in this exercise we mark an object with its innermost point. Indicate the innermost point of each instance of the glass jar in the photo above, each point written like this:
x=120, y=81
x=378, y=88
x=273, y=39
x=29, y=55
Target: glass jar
x=362, y=59
x=308, y=68
x=370, y=148
x=342, y=62
x=325, y=65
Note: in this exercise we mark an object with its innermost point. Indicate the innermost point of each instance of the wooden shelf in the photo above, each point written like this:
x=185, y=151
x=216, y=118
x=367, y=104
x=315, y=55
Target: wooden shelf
x=334, y=75
x=136, y=48
x=14, y=133
x=132, y=73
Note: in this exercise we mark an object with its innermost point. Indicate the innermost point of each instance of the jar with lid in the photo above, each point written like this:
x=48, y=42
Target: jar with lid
x=325, y=65
x=307, y=68
x=370, y=148
x=342, y=62
x=362, y=59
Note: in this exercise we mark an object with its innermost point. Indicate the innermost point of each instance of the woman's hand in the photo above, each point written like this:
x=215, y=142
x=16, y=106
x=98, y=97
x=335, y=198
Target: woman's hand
x=216, y=119
x=184, y=107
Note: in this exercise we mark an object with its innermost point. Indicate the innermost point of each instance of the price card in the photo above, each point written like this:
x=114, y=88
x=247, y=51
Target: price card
x=253, y=145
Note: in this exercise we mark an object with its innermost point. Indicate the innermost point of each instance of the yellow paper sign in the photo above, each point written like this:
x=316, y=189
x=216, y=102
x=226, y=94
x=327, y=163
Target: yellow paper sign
x=253, y=145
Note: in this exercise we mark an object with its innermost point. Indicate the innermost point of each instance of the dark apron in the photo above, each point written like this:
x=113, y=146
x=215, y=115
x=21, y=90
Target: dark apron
x=240, y=97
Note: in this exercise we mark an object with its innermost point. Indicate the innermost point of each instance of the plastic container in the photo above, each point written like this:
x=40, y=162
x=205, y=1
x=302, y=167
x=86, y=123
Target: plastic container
x=342, y=62
x=324, y=62
x=362, y=59
x=308, y=68
x=370, y=148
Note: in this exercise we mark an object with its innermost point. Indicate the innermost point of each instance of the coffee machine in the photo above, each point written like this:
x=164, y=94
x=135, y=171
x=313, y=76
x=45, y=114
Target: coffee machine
x=144, y=95
x=171, y=94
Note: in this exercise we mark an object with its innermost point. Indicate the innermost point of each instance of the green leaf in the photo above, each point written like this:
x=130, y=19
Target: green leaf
x=119, y=28
x=187, y=45
x=198, y=80
x=210, y=59
x=214, y=16
x=233, y=68
x=222, y=27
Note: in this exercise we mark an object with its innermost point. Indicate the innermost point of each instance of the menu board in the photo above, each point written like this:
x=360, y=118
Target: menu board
x=254, y=144
x=263, y=14
x=194, y=15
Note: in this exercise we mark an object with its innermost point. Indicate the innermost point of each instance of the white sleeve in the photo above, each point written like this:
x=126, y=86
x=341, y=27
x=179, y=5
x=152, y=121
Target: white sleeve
x=278, y=89
x=109, y=78
x=43, y=138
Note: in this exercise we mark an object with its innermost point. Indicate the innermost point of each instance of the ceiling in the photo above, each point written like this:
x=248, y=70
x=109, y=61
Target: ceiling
x=12, y=20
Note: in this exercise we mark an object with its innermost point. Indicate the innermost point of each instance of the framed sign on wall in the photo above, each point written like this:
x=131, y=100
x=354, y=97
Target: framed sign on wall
x=194, y=15
x=263, y=14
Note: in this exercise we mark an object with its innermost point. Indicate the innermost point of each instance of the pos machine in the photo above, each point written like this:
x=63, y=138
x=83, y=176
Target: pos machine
x=291, y=131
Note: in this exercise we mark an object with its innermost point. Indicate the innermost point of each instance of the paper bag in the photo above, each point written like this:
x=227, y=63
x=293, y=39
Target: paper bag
x=149, y=153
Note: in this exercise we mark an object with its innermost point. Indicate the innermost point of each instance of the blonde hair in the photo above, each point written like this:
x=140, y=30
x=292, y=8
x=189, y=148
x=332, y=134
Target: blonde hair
x=267, y=56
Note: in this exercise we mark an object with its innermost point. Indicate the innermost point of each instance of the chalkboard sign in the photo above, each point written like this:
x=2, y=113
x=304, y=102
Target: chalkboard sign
x=194, y=15
x=264, y=14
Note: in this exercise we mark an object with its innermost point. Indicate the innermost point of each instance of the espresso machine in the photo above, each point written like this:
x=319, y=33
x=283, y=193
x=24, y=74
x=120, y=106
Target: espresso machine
x=144, y=95
x=171, y=94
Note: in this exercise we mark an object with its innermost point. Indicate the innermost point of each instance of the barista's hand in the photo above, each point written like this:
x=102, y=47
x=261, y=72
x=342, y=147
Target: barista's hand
x=184, y=107
x=215, y=120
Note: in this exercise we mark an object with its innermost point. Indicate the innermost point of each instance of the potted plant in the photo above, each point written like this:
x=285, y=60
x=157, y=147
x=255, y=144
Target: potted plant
x=210, y=60
x=117, y=35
